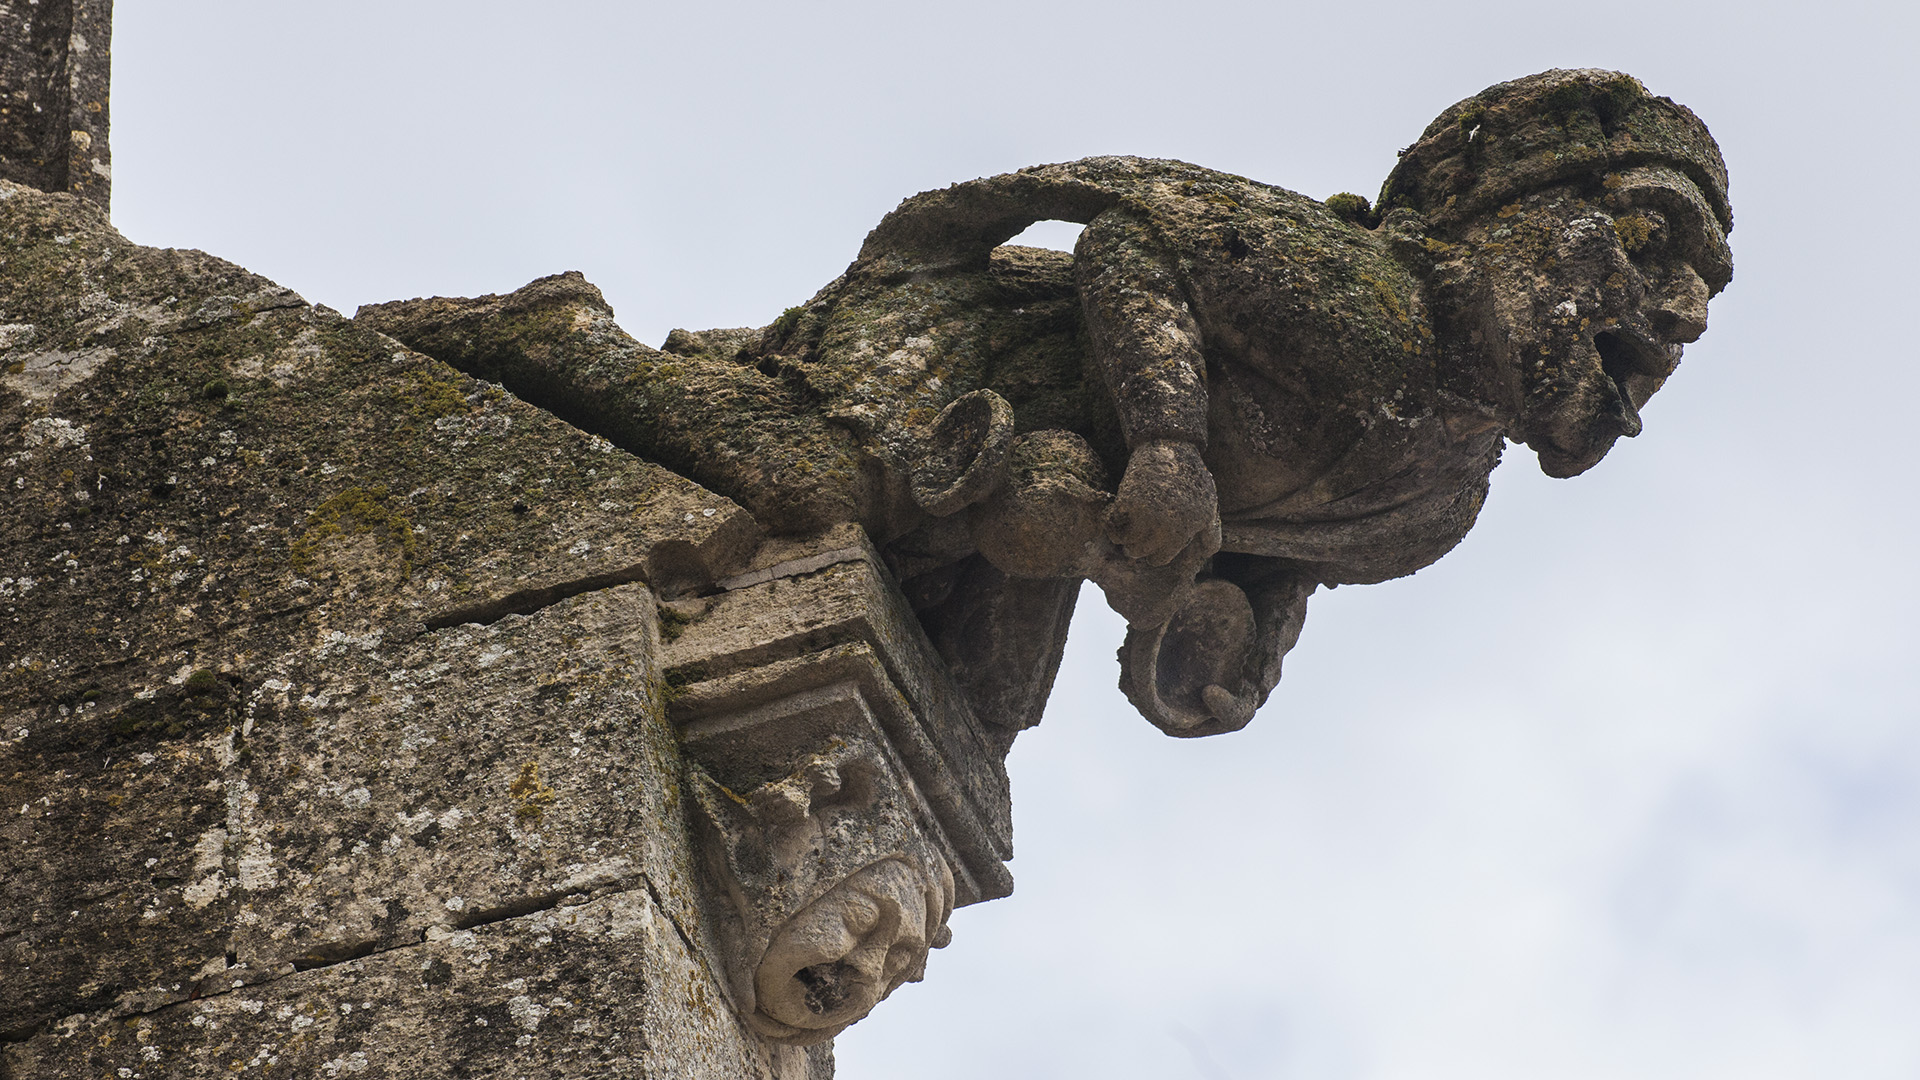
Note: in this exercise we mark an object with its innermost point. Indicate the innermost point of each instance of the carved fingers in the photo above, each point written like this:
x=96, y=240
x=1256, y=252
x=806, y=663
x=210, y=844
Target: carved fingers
x=1211, y=664
x=1166, y=503
x=1189, y=676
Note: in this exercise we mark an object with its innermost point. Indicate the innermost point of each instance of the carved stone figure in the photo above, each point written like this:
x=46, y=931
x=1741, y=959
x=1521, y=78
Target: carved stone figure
x=1288, y=393
x=451, y=737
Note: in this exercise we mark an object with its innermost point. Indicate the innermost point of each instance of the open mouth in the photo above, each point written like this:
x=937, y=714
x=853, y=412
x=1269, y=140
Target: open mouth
x=1633, y=362
x=1625, y=354
x=1624, y=351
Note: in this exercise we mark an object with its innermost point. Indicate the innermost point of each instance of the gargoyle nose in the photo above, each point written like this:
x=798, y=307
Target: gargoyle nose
x=1680, y=315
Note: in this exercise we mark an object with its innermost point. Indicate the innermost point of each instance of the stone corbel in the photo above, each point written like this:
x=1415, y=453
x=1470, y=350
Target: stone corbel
x=833, y=892
x=846, y=798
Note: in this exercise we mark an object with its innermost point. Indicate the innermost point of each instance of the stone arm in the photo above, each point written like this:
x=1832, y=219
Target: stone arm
x=957, y=227
x=1145, y=339
x=693, y=407
x=1148, y=346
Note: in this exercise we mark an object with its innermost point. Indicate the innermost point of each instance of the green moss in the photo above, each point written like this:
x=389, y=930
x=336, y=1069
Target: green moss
x=1388, y=300
x=678, y=679
x=682, y=677
x=1565, y=99
x=1350, y=207
x=1634, y=231
x=1618, y=96
x=788, y=319
x=358, y=512
x=216, y=390
x=532, y=793
x=672, y=623
x=430, y=398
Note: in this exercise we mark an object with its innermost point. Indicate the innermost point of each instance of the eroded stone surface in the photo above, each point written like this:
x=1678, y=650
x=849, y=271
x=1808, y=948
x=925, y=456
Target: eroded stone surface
x=320, y=660
x=604, y=987
x=354, y=798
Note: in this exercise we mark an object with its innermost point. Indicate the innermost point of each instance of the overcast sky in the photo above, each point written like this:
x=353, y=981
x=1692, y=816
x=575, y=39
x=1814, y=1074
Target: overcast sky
x=1626, y=786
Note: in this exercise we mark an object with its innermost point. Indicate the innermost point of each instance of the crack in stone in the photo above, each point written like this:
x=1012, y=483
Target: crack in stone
x=528, y=601
x=680, y=931
x=349, y=954
x=698, y=954
x=794, y=568
x=342, y=954
x=531, y=905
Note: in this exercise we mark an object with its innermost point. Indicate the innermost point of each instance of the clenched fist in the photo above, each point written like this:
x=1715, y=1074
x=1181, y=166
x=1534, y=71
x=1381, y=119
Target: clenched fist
x=1166, y=502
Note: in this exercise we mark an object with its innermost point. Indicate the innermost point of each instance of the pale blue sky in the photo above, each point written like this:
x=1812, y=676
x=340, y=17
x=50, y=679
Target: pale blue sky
x=1627, y=786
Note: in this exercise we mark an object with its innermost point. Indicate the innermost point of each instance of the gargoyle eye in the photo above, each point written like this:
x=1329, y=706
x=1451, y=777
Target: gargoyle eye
x=860, y=915
x=1642, y=232
x=1688, y=228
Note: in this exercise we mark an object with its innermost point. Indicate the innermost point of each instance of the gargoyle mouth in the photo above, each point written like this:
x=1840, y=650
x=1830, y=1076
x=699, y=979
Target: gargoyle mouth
x=1625, y=350
x=1635, y=361
x=837, y=957
x=1621, y=358
x=1632, y=362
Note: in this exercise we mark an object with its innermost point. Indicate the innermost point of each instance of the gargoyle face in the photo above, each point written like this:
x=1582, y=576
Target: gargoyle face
x=1594, y=329
x=836, y=892
x=837, y=957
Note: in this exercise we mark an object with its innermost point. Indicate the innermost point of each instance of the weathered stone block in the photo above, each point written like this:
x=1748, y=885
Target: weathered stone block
x=818, y=612
x=55, y=67
x=608, y=987
x=321, y=663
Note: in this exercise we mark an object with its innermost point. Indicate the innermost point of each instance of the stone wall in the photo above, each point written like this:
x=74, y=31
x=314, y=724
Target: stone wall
x=55, y=61
x=337, y=704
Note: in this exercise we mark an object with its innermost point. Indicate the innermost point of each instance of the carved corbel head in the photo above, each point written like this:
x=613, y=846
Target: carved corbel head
x=832, y=893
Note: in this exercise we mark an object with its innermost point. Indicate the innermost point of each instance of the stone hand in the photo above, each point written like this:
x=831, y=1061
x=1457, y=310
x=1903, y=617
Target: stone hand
x=1166, y=501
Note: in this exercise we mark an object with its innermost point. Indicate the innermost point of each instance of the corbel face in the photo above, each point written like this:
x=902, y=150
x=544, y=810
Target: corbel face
x=833, y=892
x=845, y=799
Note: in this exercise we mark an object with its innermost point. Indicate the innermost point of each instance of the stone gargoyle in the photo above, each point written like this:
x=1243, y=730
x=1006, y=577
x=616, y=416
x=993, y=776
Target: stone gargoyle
x=1227, y=396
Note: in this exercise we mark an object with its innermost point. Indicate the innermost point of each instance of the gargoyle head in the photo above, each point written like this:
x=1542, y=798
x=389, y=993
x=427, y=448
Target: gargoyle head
x=834, y=893
x=1580, y=227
